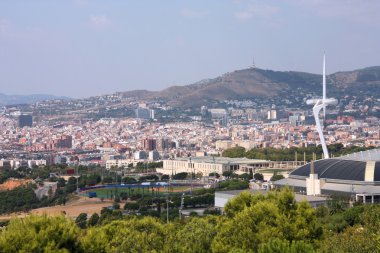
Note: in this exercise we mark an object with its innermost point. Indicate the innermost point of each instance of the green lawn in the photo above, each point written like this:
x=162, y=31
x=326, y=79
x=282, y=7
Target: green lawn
x=108, y=192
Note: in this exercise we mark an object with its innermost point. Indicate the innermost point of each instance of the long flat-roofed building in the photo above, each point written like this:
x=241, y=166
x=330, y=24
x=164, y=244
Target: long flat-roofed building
x=207, y=165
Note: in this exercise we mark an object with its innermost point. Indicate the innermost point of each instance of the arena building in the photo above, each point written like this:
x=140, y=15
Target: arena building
x=356, y=175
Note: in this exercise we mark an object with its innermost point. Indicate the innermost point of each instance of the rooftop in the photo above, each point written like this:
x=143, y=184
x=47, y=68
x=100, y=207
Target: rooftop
x=221, y=160
x=337, y=169
x=368, y=155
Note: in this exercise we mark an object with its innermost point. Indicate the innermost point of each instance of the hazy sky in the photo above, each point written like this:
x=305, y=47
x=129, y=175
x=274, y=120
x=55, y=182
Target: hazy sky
x=81, y=48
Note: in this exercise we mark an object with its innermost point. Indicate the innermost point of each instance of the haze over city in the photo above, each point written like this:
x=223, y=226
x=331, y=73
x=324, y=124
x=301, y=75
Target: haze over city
x=190, y=126
x=84, y=48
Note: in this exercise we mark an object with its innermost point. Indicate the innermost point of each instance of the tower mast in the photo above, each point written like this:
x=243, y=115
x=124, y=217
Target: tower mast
x=324, y=85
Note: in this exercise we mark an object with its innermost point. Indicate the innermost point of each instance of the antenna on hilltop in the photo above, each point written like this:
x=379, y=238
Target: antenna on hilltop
x=253, y=63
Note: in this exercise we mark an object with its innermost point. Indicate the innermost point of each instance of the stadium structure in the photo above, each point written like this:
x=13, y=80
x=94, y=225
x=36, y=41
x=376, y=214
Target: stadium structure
x=356, y=175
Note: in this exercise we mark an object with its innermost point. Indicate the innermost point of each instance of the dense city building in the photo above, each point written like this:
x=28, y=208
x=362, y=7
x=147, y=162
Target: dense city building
x=25, y=120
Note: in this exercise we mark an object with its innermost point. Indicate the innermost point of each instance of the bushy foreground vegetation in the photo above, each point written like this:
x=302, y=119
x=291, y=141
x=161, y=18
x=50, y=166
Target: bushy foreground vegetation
x=252, y=223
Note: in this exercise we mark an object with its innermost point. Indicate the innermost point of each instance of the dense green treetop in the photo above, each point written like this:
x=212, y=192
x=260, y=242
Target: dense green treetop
x=273, y=222
x=290, y=154
x=40, y=234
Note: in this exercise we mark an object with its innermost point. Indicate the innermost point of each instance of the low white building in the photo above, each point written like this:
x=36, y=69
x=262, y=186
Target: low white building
x=206, y=165
x=117, y=163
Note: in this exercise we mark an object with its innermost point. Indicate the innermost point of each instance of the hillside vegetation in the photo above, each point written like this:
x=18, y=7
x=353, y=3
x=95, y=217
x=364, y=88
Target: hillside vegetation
x=252, y=223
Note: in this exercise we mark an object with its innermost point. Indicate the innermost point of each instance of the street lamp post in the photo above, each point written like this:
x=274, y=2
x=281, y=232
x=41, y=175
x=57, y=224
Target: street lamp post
x=167, y=208
x=180, y=209
x=77, y=180
x=191, y=171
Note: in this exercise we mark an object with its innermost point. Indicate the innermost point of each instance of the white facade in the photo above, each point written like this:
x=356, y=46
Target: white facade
x=207, y=165
x=140, y=155
x=176, y=166
x=14, y=164
x=272, y=114
x=154, y=155
x=117, y=163
x=313, y=185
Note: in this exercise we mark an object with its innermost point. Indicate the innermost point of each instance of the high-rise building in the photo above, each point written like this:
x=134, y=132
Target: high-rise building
x=144, y=113
x=25, y=120
x=204, y=110
x=154, y=155
x=140, y=155
x=65, y=141
x=272, y=114
x=148, y=144
x=220, y=116
x=162, y=144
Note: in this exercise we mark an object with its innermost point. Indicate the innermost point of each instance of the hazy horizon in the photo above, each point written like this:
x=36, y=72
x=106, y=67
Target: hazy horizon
x=83, y=48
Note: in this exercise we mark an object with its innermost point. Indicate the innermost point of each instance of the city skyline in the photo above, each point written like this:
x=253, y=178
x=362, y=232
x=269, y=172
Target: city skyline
x=85, y=48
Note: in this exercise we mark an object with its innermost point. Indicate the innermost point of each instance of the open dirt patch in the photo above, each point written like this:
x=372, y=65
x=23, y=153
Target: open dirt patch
x=10, y=184
x=71, y=209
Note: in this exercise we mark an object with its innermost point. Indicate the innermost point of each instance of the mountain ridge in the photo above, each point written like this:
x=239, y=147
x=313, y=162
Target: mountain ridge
x=253, y=83
x=249, y=83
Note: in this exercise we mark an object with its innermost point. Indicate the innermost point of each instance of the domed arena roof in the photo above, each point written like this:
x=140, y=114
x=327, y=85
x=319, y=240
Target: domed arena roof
x=341, y=169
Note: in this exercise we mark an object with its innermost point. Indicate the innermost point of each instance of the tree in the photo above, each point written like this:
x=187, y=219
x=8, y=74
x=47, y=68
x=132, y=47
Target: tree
x=129, y=180
x=235, y=152
x=238, y=204
x=132, y=235
x=116, y=206
x=61, y=182
x=233, y=184
x=180, y=176
x=93, y=220
x=276, y=177
x=353, y=239
x=50, y=192
x=283, y=246
x=93, y=179
x=71, y=185
x=40, y=234
x=227, y=174
x=108, y=180
x=104, y=214
x=81, y=220
x=21, y=198
x=131, y=206
x=194, y=236
x=148, y=178
x=214, y=174
x=276, y=215
x=245, y=176
x=355, y=214
x=258, y=176
x=165, y=177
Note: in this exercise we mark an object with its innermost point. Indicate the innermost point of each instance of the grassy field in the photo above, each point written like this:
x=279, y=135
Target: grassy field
x=107, y=193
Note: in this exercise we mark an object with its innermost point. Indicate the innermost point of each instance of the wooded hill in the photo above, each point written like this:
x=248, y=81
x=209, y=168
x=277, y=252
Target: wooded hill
x=254, y=83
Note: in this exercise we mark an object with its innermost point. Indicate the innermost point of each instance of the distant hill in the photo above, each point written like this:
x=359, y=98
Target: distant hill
x=255, y=83
x=25, y=99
